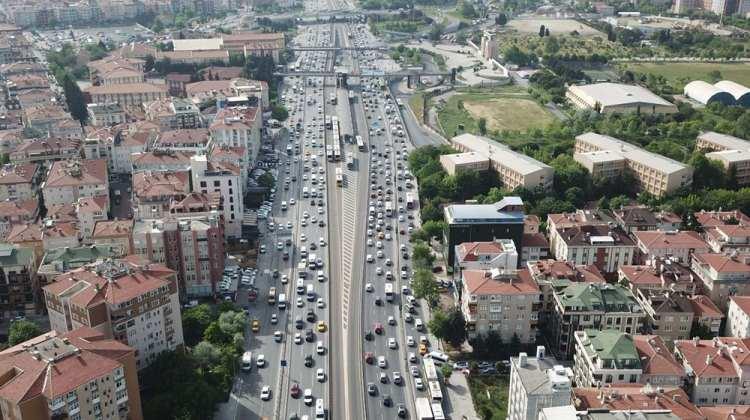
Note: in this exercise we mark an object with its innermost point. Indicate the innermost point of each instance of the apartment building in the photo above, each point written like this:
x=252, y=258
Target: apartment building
x=129, y=139
x=194, y=140
x=605, y=357
x=483, y=223
x=677, y=246
x=106, y=114
x=552, y=276
x=638, y=218
x=195, y=57
x=535, y=247
x=128, y=94
x=58, y=234
x=161, y=160
x=500, y=254
x=236, y=156
x=605, y=247
x=659, y=366
x=707, y=219
x=44, y=117
x=117, y=233
x=707, y=314
x=719, y=367
x=654, y=173
x=59, y=261
x=131, y=300
x=173, y=113
x=154, y=192
x=659, y=274
x=514, y=169
x=45, y=151
x=67, y=181
x=642, y=401
x=77, y=375
x=723, y=276
x=592, y=306
x=728, y=238
x=738, y=317
x=192, y=246
x=14, y=212
x=238, y=127
x=507, y=303
x=19, y=182
x=224, y=178
x=580, y=217
x=198, y=205
x=732, y=152
x=113, y=63
x=668, y=315
x=18, y=284
x=89, y=211
x=537, y=383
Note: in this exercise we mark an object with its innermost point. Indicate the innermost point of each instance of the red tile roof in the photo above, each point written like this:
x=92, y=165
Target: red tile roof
x=470, y=251
x=722, y=352
x=653, y=240
x=534, y=240
x=113, y=282
x=18, y=174
x=26, y=232
x=65, y=212
x=190, y=136
x=65, y=363
x=229, y=118
x=726, y=412
x=636, y=397
x=704, y=307
x=112, y=228
x=73, y=173
x=96, y=204
x=149, y=184
x=57, y=229
x=656, y=358
x=16, y=208
x=480, y=282
x=725, y=263
x=743, y=302
x=716, y=218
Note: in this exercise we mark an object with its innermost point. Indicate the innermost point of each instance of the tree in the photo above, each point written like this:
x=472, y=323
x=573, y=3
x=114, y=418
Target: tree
x=422, y=256
x=266, y=180
x=149, y=64
x=232, y=322
x=501, y=19
x=541, y=31
x=215, y=335
x=434, y=229
x=74, y=98
x=436, y=31
x=439, y=325
x=467, y=10
x=742, y=127
x=194, y=322
x=482, y=125
x=552, y=46
x=423, y=285
x=546, y=31
x=447, y=370
x=279, y=112
x=206, y=354
x=702, y=331
x=707, y=173
x=21, y=331
x=714, y=76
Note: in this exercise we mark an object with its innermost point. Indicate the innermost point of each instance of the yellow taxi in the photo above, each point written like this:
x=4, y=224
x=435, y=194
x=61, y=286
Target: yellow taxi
x=422, y=349
x=322, y=327
x=256, y=325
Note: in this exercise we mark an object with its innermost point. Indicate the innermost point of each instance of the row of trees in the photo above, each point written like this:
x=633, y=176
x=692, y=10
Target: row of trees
x=189, y=384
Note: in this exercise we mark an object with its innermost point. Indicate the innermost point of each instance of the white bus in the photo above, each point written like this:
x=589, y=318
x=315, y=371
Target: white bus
x=389, y=292
x=435, y=393
x=350, y=160
x=410, y=201
x=361, y=144
x=339, y=177
x=437, y=411
x=430, y=370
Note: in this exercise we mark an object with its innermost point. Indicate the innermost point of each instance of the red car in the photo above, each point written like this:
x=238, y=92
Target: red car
x=378, y=328
x=295, y=390
x=369, y=358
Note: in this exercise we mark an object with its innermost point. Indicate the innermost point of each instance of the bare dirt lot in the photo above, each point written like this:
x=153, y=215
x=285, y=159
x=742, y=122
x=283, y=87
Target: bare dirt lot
x=556, y=26
x=507, y=113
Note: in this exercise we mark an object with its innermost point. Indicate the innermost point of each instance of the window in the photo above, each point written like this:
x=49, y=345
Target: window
x=217, y=183
x=203, y=184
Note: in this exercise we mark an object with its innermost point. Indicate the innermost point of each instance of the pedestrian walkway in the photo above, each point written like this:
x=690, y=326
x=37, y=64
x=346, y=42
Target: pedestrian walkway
x=349, y=224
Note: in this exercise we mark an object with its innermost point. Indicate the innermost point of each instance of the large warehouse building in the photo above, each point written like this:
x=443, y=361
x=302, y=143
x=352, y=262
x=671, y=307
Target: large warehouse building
x=740, y=93
x=607, y=98
x=706, y=93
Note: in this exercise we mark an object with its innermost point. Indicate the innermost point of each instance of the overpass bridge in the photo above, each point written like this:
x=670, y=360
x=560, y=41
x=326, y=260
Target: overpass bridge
x=412, y=77
x=383, y=49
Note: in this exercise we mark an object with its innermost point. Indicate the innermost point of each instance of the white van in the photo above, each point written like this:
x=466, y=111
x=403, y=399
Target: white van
x=437, y=355
x=303, y=252
x=310, y=292
x=282, y=301
x=311, y=264
x=321, y=275
x=300, y=286
x=247, y=361
x=319, y=348
x=320, y=410
x=283, y=205
x=418, y=324
x=305, y=192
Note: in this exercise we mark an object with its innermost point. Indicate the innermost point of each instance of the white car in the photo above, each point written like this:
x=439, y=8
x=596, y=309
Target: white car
x=260, y=361
x=382, y=363
x=414, y=371
x=379, y=271
x=418, y=383
x=410, y=341
x=369, y=288
x=380, y=254
x=370, y=258
x=292, y=201
x=303, y=237
x=265, y=393
x=300, y=302
x=392, y=343
x=379, y=245
x=412, y=357
x=284, y=279
x=369, y=242
x=320, y=375
x=322, y=241
x=277, y=336
x=308, y=398
x=297, y=338
x=320, y=303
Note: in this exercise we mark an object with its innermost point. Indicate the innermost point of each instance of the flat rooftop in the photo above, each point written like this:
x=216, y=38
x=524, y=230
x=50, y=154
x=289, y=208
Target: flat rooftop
x=613, y=94
x=725, y=140
x=504, y=211
x=632, y=152
x=500, y=153
x=466, y=158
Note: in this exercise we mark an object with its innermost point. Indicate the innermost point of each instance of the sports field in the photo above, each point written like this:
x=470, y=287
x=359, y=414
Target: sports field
x=556, y=26
x=679, y=74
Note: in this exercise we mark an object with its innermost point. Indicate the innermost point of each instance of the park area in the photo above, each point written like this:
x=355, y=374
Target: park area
x=490, y=395
x=679, y=74
x=505, y=108
x=556, y=26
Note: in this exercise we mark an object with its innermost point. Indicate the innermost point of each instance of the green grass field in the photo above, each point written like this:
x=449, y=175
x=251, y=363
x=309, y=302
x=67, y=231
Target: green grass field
x=495, y=407
x=508, y=108
x=679, y=74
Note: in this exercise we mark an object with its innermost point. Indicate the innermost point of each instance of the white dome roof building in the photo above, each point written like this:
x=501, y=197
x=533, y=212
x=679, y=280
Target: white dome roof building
x=740, y=93
x=706, y=93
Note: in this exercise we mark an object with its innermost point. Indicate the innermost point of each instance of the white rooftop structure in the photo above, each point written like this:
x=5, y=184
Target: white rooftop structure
x=198, y=44
x=719, y=141
x=740, y=93
x=617, y=97
x=633, y=152
x=706, y=93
